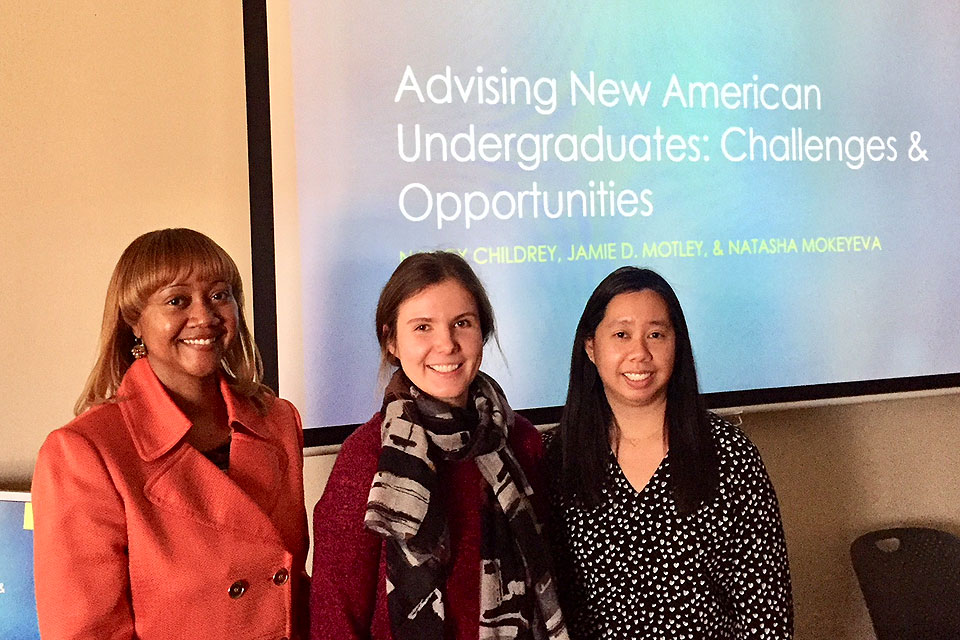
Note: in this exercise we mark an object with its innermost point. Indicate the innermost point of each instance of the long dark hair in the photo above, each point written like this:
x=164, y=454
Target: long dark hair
x=587, y=417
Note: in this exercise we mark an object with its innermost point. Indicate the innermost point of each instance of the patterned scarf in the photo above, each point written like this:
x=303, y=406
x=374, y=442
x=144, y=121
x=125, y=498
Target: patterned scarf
x=517, y=591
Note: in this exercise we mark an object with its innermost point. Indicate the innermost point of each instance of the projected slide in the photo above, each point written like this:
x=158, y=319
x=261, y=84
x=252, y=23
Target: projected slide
x=793, y=169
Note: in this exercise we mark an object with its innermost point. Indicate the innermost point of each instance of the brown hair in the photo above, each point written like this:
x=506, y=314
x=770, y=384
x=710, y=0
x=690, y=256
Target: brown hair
x=154, y=260
x=413, y=275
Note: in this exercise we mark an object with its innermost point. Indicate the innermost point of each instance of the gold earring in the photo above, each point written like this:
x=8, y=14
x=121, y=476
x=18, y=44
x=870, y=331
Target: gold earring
x=139, y=349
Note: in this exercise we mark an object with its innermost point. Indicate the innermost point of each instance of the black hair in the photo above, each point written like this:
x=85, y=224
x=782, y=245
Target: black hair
x=587, y=416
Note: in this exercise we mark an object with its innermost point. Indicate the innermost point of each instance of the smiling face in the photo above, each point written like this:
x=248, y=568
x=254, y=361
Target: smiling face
x=438, y=341
x=633, y=349
x=187, y=327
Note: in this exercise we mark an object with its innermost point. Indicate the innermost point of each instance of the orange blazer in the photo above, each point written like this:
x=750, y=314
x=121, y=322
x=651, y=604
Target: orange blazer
x=138, y=535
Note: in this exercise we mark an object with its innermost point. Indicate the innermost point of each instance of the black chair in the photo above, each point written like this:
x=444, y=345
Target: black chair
x=910, y=578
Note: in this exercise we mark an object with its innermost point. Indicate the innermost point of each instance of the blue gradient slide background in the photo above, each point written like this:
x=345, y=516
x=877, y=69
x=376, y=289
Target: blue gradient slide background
x=884, y=69
x=18, y=606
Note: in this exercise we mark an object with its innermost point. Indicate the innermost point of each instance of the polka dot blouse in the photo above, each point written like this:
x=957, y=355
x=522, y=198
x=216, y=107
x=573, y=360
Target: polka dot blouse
x=633, y=569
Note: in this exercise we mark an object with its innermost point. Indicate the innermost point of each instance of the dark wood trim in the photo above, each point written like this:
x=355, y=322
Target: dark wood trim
x=260, y=167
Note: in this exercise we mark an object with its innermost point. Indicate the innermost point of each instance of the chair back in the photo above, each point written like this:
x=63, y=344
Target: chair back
x=910, y=579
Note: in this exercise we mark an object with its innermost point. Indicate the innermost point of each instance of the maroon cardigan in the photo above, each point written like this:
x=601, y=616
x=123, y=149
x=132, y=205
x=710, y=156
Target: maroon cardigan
x=348, y=597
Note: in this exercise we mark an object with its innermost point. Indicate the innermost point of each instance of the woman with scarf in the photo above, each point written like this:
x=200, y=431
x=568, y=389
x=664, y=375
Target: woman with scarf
x=427, y=528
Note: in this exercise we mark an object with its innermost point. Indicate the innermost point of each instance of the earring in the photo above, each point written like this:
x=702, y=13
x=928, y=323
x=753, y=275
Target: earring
x=139, y=349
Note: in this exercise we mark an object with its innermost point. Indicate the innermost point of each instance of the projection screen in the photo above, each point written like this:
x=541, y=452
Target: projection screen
x=791, y=168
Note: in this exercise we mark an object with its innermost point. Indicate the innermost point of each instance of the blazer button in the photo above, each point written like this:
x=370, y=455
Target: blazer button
x=238, y=588
x=281, y=577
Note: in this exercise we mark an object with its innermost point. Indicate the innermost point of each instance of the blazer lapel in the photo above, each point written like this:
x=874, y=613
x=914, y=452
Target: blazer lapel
x=181, y=478
x=256, y=464
x=191, y=485
x=255, y=467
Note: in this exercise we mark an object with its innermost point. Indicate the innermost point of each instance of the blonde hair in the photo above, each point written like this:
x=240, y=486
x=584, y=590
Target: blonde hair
x=152, y=261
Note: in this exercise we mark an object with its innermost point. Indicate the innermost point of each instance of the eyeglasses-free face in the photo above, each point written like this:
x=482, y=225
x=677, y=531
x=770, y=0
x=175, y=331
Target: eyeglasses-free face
x=439, y=341
x=187, y=327
x=633, y=349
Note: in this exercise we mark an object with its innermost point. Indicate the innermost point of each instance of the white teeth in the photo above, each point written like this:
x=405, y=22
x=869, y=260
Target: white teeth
x=199, y=341
x=444, y=368
x=637, y=377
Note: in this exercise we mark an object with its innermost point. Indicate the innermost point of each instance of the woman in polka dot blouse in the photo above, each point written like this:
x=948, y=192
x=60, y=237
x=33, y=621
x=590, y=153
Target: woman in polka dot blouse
x=664, y=521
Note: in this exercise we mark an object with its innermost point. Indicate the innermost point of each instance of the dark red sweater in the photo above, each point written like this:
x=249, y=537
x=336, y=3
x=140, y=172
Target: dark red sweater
x=348, y=596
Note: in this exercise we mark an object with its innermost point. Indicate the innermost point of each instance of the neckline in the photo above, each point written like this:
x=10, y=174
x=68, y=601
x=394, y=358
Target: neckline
x=622, y=477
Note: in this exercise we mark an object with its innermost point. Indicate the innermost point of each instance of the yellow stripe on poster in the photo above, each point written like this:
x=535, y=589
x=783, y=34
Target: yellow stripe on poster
x=28, y=516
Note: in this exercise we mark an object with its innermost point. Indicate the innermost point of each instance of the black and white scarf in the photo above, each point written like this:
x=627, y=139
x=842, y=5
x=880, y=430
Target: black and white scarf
x=518, y=597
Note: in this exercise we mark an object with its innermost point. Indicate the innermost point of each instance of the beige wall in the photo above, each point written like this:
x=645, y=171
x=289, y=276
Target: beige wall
x=118, y=118
x=844, y=470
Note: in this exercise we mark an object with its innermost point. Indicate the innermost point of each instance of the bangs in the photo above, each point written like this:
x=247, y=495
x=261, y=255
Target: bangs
x=169, y=255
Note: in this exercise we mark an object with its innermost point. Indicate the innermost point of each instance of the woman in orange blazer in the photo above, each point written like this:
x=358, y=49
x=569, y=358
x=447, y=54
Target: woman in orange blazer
x=172, y=506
